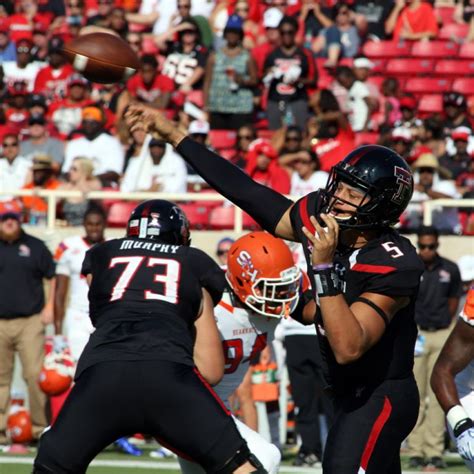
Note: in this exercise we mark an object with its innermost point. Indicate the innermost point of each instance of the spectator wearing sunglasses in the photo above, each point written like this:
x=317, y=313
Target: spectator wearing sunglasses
x=245, y=136
x=435, y=310
x=222, y=251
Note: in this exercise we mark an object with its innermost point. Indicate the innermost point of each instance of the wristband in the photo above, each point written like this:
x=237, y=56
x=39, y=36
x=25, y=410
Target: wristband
x=322, y=266
x=459, y=420
x=327, y=282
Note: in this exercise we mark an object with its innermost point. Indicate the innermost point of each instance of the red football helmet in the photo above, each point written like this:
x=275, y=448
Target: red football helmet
x=57, y=373
x=19, y=427
x=263, y=275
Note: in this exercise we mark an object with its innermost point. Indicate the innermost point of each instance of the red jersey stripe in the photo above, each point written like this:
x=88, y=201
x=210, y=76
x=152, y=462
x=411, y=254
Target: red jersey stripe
x=365, y=267
x=305, y=216
x=214, y=394
x=375, y=433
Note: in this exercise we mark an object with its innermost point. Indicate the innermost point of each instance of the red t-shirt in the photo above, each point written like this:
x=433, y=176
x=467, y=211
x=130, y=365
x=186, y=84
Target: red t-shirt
x=149, y=93
x=332, y=150
x=420, y=20
x=259, y=53
x=53, y=82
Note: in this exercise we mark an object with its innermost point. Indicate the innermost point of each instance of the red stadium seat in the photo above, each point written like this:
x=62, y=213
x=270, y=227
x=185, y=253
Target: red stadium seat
x=222, y=138
x=453, y=31
x=196, y=97
x=466, y=51
x=377, y=81
x=445, y=14
x=222, y=217
x=267, y=134
x=430, y=104
x=453, y=67
x=366, y=138
x=379, y=65
x=197, y=214
x=119, y=213
x=434, y=49
x=149, y=46
x=464, y=85
x=427, y=85
x=386, y=49
x=409, y=67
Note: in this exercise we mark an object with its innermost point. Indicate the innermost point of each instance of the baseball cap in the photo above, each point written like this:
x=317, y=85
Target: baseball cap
x=234, y=23
x=42, y=162
x=37, y=99
x=454, y=98
x=37, y=119
x=407, y=102
x=77, y=79
x=10, y=209
x=55, y=45
x=156, y=142
x=426, y=160
x=18, y=88
x=461, y=134
x=92, y=113
x=363, y=63
x=402, y=133
x=40, y=27
x=272, y=18
x=198, y=127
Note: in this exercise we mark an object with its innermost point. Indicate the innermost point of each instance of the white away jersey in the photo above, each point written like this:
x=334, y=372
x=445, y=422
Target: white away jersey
x=244, y=334
x=69, y=257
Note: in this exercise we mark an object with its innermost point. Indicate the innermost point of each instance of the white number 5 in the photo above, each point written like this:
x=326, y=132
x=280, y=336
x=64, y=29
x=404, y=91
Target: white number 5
x=392, y=249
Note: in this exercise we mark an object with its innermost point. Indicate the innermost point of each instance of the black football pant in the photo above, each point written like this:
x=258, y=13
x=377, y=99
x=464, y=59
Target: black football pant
x=115, y=399
x=368, y=430
x=303, y=360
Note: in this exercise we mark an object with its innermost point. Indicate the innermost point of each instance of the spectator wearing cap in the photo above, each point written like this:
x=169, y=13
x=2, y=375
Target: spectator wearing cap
x=289, y=73
x=271, y=20
x=51, y=80
x=39, y=141
x=37, y=105
x=429, y=184
x=314, y=16
x=362, y=70
x=455, y=111
x=401, y=141
x=17, y=112
x=39, y=51
x=222, y=251
x=66, y=114
x=23, y=69
x=199, y=131
x=409, y=118
x=26, y=263
x=14, y=168
x=230, y=75
x=103, y=149
x=7, y=46
x=149, y=85
x=43, y=177
x=460, y=161
x=262, y=166
x=412, y=20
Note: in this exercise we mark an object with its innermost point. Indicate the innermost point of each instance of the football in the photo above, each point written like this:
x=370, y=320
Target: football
x=101, y=57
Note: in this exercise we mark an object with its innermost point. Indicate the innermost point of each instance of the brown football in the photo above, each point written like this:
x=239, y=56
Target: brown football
x=102, y=57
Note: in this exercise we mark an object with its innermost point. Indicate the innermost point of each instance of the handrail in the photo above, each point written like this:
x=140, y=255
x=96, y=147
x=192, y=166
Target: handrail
x=52, y=196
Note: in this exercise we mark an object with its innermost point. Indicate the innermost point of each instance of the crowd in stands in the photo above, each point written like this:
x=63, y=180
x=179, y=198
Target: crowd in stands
x=282, y=88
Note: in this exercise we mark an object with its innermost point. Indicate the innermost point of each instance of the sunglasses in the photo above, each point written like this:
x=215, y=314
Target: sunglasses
x=287, y=32
x=10, y=145
x=303, y=162
x=242, y=9
x=221, y=252
x=427, y=246
x=293, y=139
x=426, y=170
x=23, y=49
x=184, y=6
x=244, y=137
x=343, y=12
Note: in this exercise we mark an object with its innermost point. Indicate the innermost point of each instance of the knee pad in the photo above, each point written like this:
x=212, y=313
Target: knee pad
x=242, y=456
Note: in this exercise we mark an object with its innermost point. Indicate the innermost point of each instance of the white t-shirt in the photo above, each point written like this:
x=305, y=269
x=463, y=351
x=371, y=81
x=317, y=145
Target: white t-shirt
x=202, y=7
x=358, y=108
x=243, y=334
x=301, y=187
x=165, y=8
x=13, y=175
x=69, y=256
x=28, y=74
x=105, y=151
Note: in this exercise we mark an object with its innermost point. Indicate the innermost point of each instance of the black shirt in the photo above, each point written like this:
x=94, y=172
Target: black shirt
x=439, y=283
x=376, y=13
x=387, y=265
x=23, y=265
x=144, y=299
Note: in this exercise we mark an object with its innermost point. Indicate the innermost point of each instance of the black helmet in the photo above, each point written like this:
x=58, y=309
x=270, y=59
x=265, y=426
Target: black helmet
x=383, y=175
x=159, y=220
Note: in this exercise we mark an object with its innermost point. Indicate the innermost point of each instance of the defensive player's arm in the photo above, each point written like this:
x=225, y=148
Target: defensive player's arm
x=208, y=353
x=269, y=208
x=62, y=284
x=353, y=330
x=456, y=354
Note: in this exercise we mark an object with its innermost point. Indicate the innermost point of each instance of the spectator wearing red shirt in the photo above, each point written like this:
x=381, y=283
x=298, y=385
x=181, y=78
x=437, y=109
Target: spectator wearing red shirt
x=262, y=166
x=412, y=20
x=17, y=112
x=271, y=20
x=149, y=85
x=66, y=114
x=51, y=81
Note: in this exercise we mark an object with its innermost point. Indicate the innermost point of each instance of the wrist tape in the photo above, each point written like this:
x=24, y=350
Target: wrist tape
x=327, y=281
x=459, y=420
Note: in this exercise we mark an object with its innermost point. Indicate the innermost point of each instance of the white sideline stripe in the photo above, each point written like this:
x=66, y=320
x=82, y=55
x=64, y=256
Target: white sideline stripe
x=169, y=465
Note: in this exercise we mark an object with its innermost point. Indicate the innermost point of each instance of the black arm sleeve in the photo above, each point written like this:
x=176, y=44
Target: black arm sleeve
x=262, y=203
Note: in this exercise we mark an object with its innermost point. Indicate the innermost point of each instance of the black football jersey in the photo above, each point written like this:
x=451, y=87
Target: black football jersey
x=387, y=265
x=144, y=299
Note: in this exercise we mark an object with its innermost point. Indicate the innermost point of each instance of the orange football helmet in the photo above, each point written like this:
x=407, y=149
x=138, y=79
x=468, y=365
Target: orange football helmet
x=263, y=275
x=57, y=373
x=19, y=426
